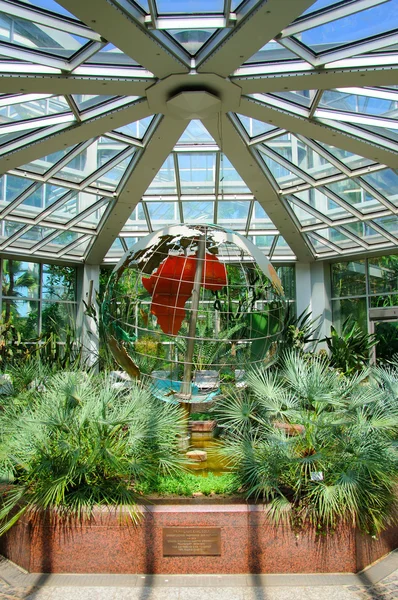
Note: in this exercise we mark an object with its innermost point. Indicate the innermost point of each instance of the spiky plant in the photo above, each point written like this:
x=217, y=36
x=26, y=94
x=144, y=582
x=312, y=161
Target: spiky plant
x=317, y=446
x=82, y=444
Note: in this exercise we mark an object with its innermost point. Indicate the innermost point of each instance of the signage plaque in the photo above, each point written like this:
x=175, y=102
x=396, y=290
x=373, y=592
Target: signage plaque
x=191, y=541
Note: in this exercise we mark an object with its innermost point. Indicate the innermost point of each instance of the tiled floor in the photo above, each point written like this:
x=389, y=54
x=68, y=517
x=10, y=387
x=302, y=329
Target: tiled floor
x=379, y=582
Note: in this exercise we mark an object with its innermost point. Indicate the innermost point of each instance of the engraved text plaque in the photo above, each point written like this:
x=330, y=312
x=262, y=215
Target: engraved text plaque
x=191, y=541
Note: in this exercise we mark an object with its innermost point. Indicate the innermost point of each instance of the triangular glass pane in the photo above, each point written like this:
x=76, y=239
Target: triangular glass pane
x=389, y=223
x=163, y=213
x=8, y=228
x=54, y=105
x=31, y=237
x=130, y=241
x=43, y=197
x=23, y=33
x=385, y=132
x=352, y=28
x=385, y=182
x=230, y=181
x=322, y=203
x=165, y=180
x=11, y=187
x=271, y=52
x=233, y=213
x=254, y=127
x=365, y=232
x=110, y=180
x=260, y=219
x=304, y=217
x=359, y=104
x=337, y=237
x=42, y=165
x=189, y=7
x=282, y=175
x=317, y=245
x=198, y=212
x=137, y=129
x=136, y=221
x=195, y=133
x=110, y=55
x=350, y=160
x=143, y=4
x=191, y=40
x=350, y=191
x=86, y=101
x=197, y=172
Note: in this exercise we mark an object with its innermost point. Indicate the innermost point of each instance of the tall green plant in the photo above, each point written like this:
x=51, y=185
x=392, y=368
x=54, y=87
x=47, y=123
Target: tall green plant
x=80, y=444
x=350, y=350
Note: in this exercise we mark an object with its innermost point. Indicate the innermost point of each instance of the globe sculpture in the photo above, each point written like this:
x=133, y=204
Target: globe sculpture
x=192, y=307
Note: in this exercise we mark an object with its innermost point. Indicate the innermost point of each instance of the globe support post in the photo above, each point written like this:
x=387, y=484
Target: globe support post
x=186, y=388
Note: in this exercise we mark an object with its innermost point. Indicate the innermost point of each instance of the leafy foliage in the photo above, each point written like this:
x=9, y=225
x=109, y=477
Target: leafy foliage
x=350, y=351
x=317, y=446
x=187, y=484
x=80, y=443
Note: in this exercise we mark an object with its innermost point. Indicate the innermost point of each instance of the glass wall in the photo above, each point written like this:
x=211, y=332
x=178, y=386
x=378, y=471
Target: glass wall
x=38, y=299
x=359, y=285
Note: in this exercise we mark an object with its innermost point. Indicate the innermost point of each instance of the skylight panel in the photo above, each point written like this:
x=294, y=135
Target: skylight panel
x=304, y=217
x=42, y=165
x=322, y=203
x=322, y=4
x=389, y=223
x=195, y=133
x=189, y=7
x=283, y=175
x=359, y=103
x=234, y=212
x=43, y=197
x=230, y=181
x=264, y=242
x=11, y=187
x=385, y=182
x=197, y=172
x=260, y=219
x=49, y=5
x=22, y=111
x=163, y=213
x=271, y=52
x=165, y=179
x=137, y=129
x=86, y=101
x=337, y=237
x=199, y=212
x=350, y=160
x=31, y=237
x=191, y=40
x=365, y=232
x=111, y=55
x=350, y=191
x=358, y=26
x=254, y=127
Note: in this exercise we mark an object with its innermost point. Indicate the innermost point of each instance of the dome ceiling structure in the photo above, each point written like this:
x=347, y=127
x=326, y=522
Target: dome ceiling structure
x=275, y=118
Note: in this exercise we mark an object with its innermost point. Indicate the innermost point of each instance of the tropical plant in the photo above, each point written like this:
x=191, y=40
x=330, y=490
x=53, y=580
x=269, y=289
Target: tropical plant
x=80, y=443
x=350, y=350
x=298, y=332
x=317, y=446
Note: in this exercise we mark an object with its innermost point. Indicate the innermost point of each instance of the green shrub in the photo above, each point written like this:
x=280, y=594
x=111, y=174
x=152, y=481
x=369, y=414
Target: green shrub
x=80, y=443
x=187, y=484
x=319, y=447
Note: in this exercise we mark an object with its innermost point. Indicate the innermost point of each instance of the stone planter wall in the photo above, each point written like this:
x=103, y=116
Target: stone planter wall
x=249, y=544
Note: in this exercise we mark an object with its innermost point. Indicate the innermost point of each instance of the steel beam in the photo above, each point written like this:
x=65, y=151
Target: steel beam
x=75, y=134
x=253, y=175
x=148, y=164
x=251, y=33
x=317, y=131
x=126, y=32
x=323, y=79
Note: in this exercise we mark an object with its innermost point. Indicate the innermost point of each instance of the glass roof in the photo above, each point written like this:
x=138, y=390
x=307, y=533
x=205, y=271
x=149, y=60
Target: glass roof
x=301, y=156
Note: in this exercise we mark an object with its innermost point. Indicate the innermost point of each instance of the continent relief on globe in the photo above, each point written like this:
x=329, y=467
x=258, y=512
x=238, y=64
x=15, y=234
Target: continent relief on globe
x=172, y=283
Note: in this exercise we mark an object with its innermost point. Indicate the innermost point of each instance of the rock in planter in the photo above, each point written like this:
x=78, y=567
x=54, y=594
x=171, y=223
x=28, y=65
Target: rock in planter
x=202, y=426
x=197, y=455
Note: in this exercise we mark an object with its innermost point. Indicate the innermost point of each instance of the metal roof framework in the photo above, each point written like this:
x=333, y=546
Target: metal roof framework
x=303, y=160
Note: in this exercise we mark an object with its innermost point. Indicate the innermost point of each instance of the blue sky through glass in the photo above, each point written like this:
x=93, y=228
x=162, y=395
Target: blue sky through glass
x=372, y=21
x=189, y=6
x=48, y=5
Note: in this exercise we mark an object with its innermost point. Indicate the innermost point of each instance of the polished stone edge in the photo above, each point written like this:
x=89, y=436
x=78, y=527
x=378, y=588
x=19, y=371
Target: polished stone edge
x=17, y=577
